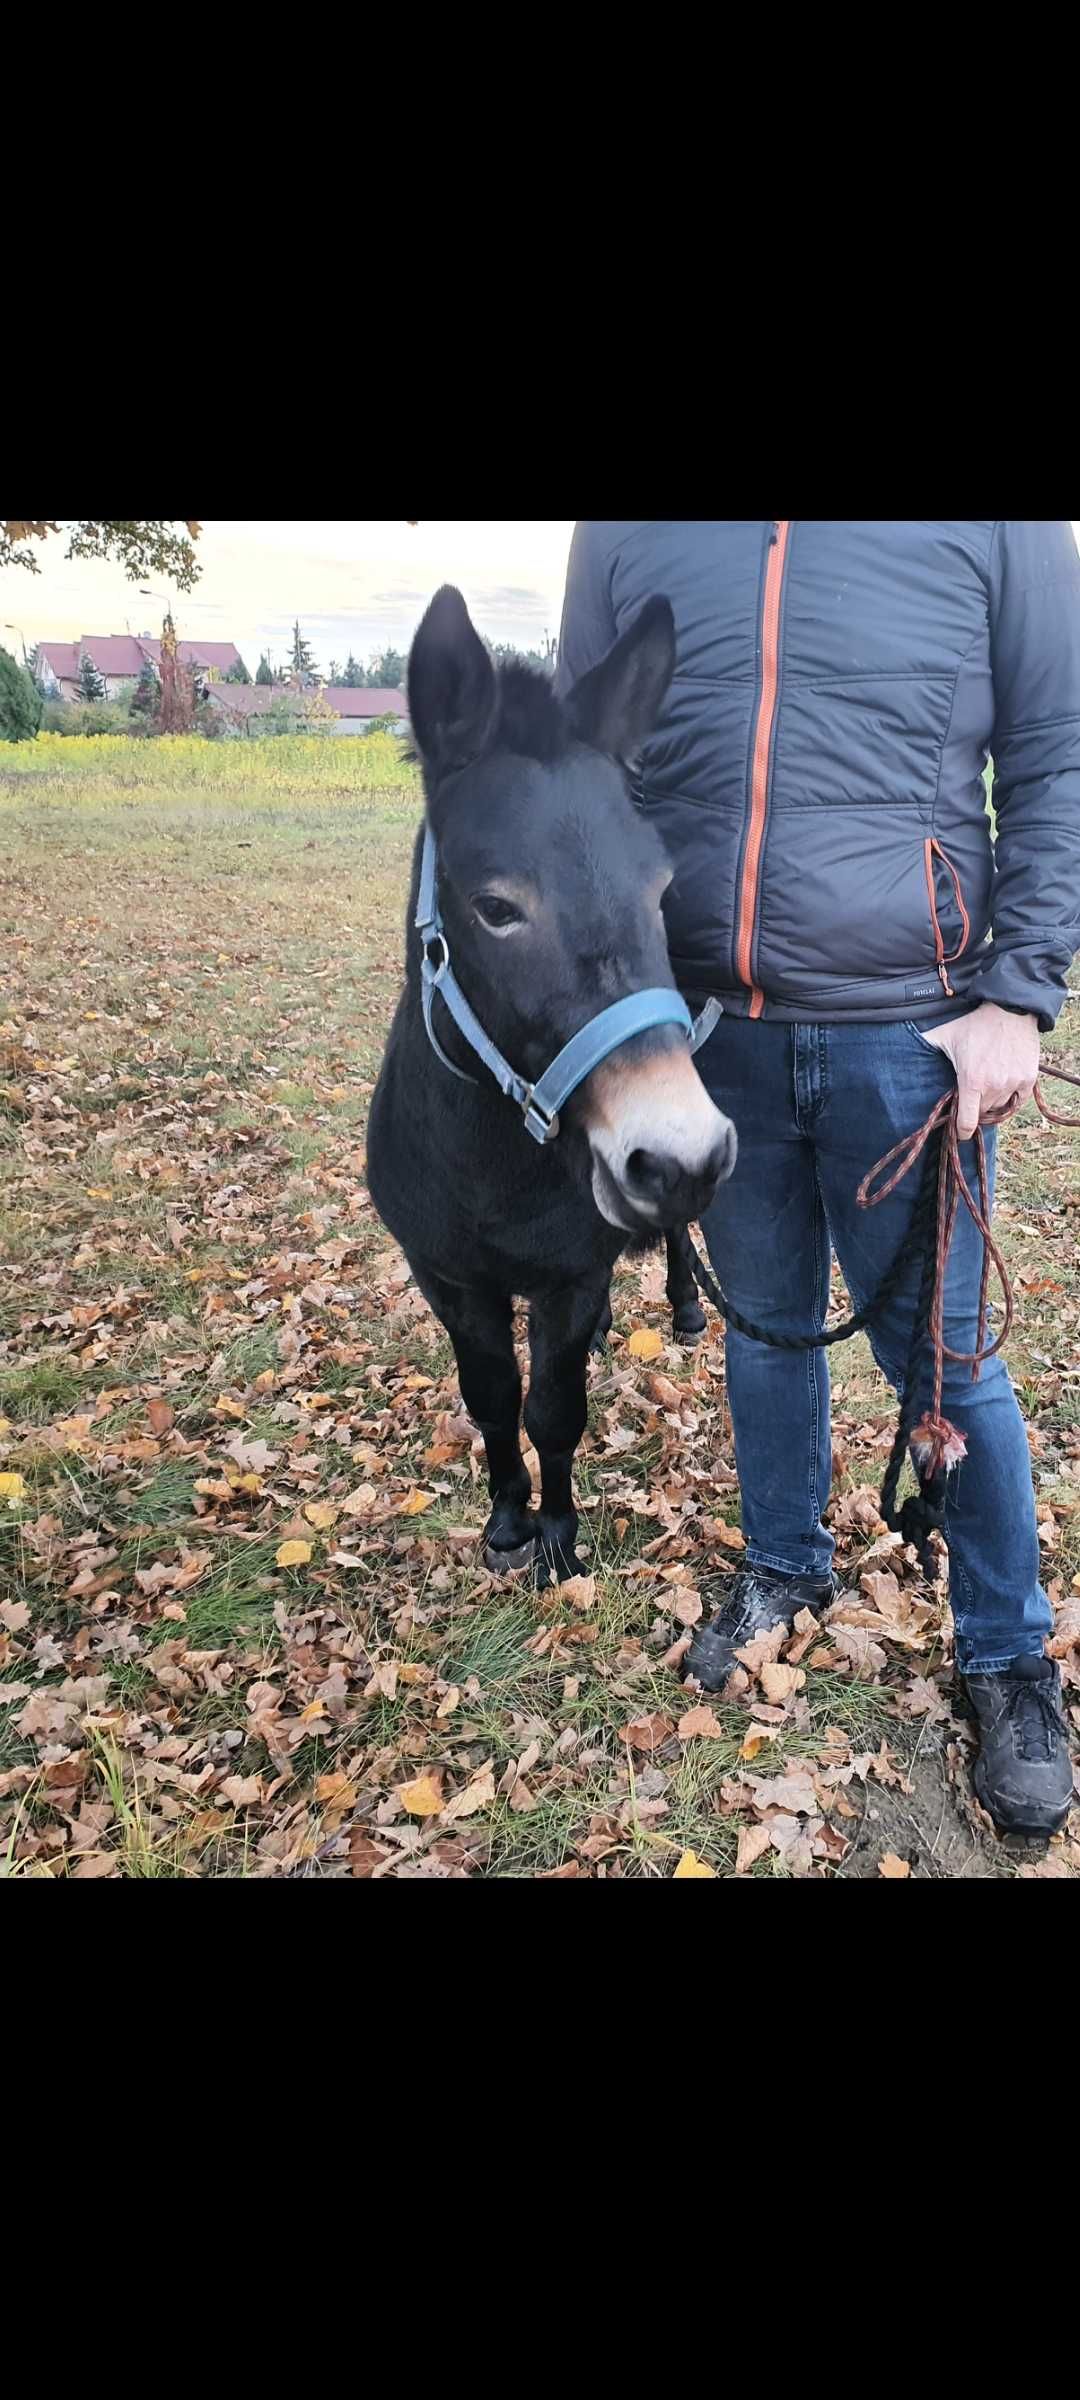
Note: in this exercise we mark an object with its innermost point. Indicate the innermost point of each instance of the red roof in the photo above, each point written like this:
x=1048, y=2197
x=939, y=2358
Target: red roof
x=124, y=654
x=196, y=654
x=347, y=701
x=112, y=654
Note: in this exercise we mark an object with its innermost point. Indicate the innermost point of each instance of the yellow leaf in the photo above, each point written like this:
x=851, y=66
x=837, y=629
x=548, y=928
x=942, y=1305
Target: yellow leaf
x=424, y=1797
x=322, y=1514
x=416, y=1503
x=336, y=1789
x=757, y=1738
x=293, y=1554
x=5, y=1426
x=12, y=1489
x=646, y=1344
x=243, y=1483
x=689, y=1866
x=98, y=1191
x=229, y=1408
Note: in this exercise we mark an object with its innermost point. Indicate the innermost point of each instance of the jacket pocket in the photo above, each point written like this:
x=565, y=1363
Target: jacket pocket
x=949, y=920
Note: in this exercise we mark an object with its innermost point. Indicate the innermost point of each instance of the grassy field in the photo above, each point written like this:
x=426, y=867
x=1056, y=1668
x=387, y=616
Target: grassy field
x=243, y=1630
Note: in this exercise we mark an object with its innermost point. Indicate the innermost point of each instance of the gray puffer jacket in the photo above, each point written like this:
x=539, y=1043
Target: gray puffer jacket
x=817, y=774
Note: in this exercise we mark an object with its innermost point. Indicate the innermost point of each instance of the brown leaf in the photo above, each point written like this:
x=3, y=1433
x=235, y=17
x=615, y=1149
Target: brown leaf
x=15, y=1614
x=895, y=1870
x=754, y=1840
x=160, y=1416
x=647, y=1733
x=780, y=1684
x=241, y=1790
x=322, y=1514
x=416, y=1503
x=757, y=1738
x=688, y=1607
x=579, y=1591
x=478, y=1794
x=699, y=1721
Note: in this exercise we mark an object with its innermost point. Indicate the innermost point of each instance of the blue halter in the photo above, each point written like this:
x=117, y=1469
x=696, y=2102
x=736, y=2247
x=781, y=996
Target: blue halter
x=542, y=1101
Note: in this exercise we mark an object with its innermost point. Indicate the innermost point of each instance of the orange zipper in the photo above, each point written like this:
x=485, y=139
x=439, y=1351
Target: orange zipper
x=931, y=850
x=759, y=778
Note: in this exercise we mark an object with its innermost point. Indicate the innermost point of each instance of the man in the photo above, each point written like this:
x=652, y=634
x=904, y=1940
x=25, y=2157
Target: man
x=817, y=779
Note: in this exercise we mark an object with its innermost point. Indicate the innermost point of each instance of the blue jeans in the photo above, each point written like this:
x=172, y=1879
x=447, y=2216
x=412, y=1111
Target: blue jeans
x=814, y=1106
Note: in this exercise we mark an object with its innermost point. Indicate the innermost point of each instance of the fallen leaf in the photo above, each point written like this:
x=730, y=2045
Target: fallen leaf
x=241, y=1790
x=691, y=1868
x=895, y=1870
x=699, y=1721
x=416, y=1503
x=757, y=1738
x=12, y=1488
x=322, y=1514
x=336, y=1790
x=160, y=1416
x=647, y=1733
x=729, y=1535
x=688, y=1606
x=645, y=1343
x=15, y=1614
x=579, y=1591
x=780, y=1683
x=754, y=1840
x=293, y=1554
x=423, y=1798
x=478, y=1794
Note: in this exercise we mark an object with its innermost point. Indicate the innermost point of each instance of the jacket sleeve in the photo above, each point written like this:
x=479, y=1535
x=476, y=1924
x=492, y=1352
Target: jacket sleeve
x=1035, y=655
x=588, y=620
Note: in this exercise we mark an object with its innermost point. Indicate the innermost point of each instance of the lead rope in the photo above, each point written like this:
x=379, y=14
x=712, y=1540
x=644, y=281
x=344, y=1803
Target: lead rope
x=936, y=1445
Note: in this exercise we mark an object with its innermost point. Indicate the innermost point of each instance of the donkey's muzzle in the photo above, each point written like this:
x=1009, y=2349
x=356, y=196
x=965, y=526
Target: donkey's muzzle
x=667, y=1190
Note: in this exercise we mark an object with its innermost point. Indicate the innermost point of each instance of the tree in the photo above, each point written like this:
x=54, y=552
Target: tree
x=354, y=677
x=177, y=695
x=34, y=668
x=300, y=659
x=333, y=674
x=165, y=546
x=91, y=684
x=264, y=672
x=20, y=701
x=387, y=671
x=144, y=699
x=238, y=673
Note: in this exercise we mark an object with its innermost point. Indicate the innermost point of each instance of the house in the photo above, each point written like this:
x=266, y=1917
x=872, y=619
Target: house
x=242, y=704
x=120, y=658
x=355, y=708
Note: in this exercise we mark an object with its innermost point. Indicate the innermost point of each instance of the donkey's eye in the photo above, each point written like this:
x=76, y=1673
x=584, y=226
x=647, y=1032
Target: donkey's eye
x=497, y=914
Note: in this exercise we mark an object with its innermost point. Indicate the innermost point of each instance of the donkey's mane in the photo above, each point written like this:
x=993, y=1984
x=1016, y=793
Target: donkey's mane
x=530, y=720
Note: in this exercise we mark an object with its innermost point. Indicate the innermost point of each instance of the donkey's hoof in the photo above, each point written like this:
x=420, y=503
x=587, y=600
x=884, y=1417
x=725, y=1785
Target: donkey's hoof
x=689, y=1326
x=508, y=1562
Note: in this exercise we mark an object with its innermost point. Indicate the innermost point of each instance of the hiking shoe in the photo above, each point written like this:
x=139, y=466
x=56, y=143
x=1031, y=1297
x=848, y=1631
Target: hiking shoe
x=1023, y=1773
x=759, y=1599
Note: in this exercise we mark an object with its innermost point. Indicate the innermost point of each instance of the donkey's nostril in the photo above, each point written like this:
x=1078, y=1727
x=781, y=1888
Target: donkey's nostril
x=653, y=1173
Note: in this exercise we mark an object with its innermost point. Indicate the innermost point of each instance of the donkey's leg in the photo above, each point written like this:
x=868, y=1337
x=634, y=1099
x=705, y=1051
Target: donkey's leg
x=481, y=1327
x=602, y=1327
x=682, y=1290
x=561, y=1326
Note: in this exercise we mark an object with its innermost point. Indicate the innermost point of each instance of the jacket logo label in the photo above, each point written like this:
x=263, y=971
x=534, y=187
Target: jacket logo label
x=922, y=991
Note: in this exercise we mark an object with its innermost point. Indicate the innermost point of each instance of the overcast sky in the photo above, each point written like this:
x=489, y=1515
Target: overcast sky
x=354, y=585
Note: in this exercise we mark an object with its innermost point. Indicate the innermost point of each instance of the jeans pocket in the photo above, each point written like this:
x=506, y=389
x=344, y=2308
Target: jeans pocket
x=931, y=1047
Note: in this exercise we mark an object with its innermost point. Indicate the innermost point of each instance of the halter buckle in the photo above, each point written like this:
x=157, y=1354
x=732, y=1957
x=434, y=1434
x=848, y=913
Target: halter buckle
x=542, y=1123
x=433, y=971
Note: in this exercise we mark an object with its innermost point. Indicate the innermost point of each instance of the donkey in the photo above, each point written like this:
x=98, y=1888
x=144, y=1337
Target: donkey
x=538, y=883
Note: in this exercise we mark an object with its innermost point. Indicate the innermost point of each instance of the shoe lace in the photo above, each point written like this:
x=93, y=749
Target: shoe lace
x=1034, y=1716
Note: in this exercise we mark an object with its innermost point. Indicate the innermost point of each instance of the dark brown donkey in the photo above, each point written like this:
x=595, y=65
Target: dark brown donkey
x=538, y=1108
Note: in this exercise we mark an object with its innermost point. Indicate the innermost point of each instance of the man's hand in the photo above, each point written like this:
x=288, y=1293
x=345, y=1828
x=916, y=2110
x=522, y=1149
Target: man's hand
x=996, y=1057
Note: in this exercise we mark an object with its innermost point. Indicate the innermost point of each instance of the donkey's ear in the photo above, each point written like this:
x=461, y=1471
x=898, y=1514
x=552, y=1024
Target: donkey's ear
x=451, y=684
x=615, y=705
